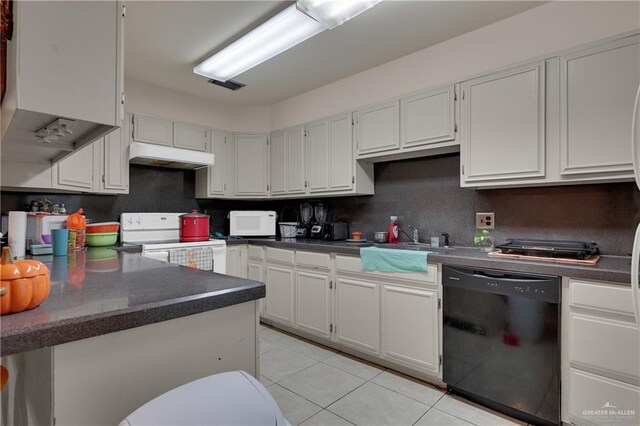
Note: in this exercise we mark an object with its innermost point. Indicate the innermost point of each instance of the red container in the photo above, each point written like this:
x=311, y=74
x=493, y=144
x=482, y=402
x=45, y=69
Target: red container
x=194, y=226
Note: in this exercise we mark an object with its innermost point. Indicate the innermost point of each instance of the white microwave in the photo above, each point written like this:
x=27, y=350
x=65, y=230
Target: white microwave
x=252, y=223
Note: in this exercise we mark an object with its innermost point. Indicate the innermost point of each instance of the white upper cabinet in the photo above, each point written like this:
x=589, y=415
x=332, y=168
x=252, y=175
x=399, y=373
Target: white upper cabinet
x=190, y=137
x=217, y=171
x=113, y=162
x=318, y=156
x=278, y=163
x=377, y=128
x=251, y=165
x=295, y=161
x=152, y=130
x=428, y=117
x=341, y=161
x=597, y=94
x=65, y=60
x=75, y=173
x=503, y=125
x=216, y=180
x=288, y=171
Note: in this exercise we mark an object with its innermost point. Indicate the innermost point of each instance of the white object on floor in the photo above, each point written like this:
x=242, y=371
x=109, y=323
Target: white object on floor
x=233, y=398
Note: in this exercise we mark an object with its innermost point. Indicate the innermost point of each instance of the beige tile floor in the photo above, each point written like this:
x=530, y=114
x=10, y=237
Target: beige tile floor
x=314, y=385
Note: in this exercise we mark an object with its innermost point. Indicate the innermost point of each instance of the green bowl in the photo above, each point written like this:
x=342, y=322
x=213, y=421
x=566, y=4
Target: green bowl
x=102, y=240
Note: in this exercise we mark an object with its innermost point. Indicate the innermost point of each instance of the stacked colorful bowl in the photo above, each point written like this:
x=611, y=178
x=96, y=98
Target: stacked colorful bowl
x=102, y=234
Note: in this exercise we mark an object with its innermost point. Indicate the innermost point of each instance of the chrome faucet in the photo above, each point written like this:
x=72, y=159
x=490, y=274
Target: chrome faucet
x=415, y=234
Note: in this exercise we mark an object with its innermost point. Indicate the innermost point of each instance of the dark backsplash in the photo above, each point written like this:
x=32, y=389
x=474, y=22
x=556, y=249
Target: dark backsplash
x=424, y=193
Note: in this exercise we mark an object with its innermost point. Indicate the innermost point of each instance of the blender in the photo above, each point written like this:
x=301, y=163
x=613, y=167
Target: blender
x=321, y=217
x=306, y=215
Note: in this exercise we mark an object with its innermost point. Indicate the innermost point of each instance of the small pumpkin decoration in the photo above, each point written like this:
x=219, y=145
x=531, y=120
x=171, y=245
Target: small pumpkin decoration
x=25, y=283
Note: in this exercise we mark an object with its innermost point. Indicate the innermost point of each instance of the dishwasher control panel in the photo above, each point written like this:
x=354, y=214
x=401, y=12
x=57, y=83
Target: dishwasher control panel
x=508, y=283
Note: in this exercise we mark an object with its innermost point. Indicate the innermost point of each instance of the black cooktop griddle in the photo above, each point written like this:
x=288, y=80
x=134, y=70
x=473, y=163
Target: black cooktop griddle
x=550, y=248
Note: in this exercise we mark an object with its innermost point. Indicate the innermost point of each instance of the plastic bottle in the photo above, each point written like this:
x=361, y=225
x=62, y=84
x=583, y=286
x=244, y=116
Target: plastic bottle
x=394, y=236
x=77, y=225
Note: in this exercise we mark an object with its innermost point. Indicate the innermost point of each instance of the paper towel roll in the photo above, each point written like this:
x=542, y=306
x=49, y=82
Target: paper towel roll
x=17, y=233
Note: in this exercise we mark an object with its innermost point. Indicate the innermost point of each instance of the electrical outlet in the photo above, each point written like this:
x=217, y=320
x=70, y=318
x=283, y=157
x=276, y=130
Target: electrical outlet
x=485, y=221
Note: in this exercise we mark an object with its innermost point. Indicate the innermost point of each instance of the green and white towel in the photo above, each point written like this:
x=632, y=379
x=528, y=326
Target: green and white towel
x=392, y=260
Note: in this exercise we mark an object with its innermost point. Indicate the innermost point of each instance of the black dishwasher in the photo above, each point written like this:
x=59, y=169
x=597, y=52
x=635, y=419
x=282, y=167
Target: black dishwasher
x=501, y=334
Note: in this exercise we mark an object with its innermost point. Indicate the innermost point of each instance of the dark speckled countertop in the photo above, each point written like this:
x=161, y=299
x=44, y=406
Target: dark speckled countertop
x=615, y=269
x=101, y=291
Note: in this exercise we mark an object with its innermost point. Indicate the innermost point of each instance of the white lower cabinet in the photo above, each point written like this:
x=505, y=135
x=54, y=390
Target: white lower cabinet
x=313, y=302
x=237, y=261
x=280, y=294
x=358, y=314
x=600, y=347
x=410, y=327
x=255, y=271
x=326, y=297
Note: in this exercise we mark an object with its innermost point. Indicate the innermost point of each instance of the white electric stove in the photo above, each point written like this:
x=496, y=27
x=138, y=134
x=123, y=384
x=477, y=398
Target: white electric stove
x=159, y=236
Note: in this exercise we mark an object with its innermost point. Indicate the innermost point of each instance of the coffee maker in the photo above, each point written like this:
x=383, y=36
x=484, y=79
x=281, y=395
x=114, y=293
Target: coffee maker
x=317, y=230
x=306, y=216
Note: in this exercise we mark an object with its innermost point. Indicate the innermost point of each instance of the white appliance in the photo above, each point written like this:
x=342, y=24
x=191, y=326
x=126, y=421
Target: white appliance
x=166, y=156
x=231, y=398
x=252, y=223
x=39, y=225
x=635, y=257
x=159, y=236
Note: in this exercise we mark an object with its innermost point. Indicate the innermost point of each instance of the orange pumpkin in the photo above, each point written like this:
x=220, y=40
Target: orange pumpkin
x=25, y=284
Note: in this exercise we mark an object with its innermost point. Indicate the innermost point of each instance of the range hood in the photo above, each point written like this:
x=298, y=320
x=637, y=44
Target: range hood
x=165, y=156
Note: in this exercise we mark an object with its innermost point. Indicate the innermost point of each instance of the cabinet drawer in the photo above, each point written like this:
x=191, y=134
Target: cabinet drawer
x=601, y=296
x=598, y=343
x=280, y=255
x=351, y=264
x=256, y=252
x=590, y=393
x=313, y=260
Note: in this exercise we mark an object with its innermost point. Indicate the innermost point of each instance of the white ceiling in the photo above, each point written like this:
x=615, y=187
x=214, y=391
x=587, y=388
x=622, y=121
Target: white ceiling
x=165, y=39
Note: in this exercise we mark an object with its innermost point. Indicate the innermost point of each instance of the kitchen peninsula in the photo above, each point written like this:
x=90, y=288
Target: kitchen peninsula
x=120, y=329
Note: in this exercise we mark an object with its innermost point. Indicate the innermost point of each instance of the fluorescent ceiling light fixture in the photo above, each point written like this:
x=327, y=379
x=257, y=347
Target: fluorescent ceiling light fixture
x=283, y=31
x=332, y=13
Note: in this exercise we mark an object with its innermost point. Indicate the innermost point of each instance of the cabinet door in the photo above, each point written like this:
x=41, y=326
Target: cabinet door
x=428, y=117
x=341, y=151
x=15, y=174
x=233, y=261
x=217, y=171
x=358, y=314
x=410, y=326
x=152, y=130
x=378, y=128
x=318, y=156
x=503, y=125
x=114, y=162
x=251, y=165
x=190, y=137
x=598, y=88
x=256, y=273
x=75, y=172
x=313, y=312
x=295, y=159
x=280, y=294
x=278, y=163
x=590, y=392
